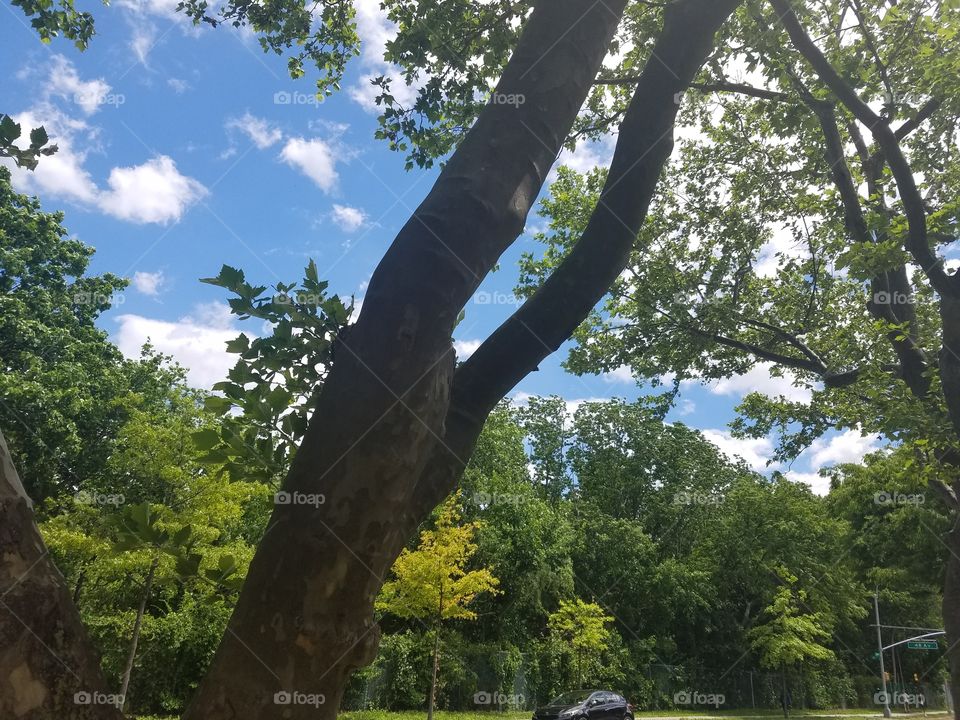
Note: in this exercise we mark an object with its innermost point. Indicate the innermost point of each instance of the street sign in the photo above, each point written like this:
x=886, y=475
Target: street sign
x=922, y=645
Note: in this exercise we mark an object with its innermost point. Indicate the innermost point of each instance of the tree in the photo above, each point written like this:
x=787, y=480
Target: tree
x=806, y=230
x=583, y=626
x=789, y=637
x=432, y=582
x=63, y=382
x=396, y=419
x=152, y=540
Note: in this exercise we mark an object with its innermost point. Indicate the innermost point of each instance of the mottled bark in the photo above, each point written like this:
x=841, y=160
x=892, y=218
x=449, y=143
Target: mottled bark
x=304, y=619
x=48, y=668
x=950, y=357
x=951, y=614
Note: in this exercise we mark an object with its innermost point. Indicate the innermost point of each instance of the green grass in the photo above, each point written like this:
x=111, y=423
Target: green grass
x=525, y=715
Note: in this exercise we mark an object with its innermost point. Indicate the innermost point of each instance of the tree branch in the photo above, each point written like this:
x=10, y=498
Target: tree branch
x=546, y=320
x=917, y=243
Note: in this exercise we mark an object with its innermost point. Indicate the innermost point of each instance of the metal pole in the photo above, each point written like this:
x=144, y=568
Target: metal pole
x=883, y=674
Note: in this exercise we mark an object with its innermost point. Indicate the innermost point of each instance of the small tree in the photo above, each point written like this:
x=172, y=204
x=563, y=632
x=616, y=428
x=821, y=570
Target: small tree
x=789, y=637
x=432, y=583
x=583, y=625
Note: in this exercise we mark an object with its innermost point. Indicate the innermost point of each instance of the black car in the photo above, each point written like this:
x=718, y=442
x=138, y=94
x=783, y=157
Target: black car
x=586, y=705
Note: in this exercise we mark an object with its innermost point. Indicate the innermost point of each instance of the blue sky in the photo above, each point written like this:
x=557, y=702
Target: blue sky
x=184, y=148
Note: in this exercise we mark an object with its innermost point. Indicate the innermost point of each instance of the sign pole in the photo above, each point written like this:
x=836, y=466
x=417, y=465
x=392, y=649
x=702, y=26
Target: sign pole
x=883, y=674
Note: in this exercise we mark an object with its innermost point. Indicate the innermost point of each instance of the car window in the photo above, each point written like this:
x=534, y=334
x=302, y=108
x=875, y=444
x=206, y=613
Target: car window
x=605, y=698
x=571, y=698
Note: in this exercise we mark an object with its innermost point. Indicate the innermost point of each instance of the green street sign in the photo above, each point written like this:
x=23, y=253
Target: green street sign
x=922, y=645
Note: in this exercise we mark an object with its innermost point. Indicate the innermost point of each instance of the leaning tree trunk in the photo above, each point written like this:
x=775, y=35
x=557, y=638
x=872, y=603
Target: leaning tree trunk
x=304, y=619
x=135, y=638
x=48, y=668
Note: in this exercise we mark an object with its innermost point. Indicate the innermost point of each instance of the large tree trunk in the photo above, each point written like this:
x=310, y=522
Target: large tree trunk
x=304, y=619
x=48, y=668
x=951, y=614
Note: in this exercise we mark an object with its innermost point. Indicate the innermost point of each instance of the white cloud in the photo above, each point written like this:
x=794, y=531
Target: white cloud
x=65, y=82
x=754, y=451
x=177, y=85
x=142, y=39
x=819, y=485
x=587, y=156
x=153, y=192
x=465, y=348
x=349, y=219
x=847, y=447
x=314, y=158
x=781, y=248
x=144, y=34
x=149, y=283
x=260, y=132
x=622, y=374
x=375, y=30
x=357, y=307
x=62, y=174
x=196, y=341
x=759, y=379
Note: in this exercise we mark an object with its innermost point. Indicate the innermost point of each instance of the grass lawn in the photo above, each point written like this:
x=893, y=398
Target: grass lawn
x=647, y=714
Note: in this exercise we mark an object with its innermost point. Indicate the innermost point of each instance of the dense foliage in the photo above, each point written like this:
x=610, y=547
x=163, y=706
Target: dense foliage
x=626, y=552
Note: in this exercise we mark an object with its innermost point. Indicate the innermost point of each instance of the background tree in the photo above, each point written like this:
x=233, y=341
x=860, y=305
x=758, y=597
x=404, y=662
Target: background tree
x=804, y=234
x=433, y=584
x=584, y=626
x=789, y=637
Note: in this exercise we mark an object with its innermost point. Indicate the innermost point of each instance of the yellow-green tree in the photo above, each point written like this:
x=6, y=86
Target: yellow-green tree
x=432, y=583
x=583, y=626
x=789, y=637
